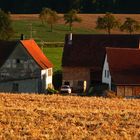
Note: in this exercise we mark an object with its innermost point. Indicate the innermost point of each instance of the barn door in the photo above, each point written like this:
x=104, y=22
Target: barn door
x=15, y=87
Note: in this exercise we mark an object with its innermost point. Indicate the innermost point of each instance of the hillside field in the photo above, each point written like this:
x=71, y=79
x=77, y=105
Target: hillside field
x=41, y=33
x=54, y=54
x=56, y=117
x=88, y=21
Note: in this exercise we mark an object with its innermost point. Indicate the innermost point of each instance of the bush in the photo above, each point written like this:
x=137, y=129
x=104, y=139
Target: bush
x=52, y=91
x=90, y=92
x=57, y=79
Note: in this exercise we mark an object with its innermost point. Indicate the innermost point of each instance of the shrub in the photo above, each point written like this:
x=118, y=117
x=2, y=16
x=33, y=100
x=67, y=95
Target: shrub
x=57, y=79
x=51, y=91
x=90, y=92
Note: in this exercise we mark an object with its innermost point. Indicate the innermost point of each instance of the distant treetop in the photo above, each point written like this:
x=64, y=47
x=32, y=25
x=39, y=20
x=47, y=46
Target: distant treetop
x=63, y=6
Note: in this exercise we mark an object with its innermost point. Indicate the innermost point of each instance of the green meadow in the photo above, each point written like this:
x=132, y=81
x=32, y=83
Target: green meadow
x=35, y=29
x=55, y=55
x=41, y=33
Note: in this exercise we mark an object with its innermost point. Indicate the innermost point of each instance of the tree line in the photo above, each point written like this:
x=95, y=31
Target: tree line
x=107, y=22
x=48, y=16
x=63, y=6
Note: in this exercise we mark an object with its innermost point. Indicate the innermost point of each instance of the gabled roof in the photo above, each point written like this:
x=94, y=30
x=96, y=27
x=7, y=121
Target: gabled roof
x=6, y=47
x=124, y=65
x=34, y=50
x=89, y=50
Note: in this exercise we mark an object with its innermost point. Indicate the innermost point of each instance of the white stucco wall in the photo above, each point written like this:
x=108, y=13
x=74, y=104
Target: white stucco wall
x=49, y=78
x=46, y=79
x=106, y=77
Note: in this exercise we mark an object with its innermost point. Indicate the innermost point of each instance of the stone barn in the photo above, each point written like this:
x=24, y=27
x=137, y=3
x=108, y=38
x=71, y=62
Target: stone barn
x=121, y=71
x=24, y=67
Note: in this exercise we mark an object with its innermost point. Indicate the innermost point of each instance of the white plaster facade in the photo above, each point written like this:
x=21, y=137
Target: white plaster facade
x=106, y=77
x=46, y=77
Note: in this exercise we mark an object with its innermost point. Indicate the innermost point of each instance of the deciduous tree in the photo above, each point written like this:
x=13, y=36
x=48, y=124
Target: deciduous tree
x=71, y=17
x=6, y=29
x=48, y=16
x=107, y=22
x=130, y=25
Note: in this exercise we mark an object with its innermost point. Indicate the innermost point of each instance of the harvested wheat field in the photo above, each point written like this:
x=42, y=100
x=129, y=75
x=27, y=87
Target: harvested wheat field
x=55, y=117
x=88, y=20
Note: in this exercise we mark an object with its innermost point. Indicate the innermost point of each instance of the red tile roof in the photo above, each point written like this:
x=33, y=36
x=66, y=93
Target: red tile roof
x=124, y=65
x=34, y=50
x=89, y=50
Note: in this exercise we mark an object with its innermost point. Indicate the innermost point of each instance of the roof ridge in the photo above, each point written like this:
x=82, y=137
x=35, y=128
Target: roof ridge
x=37, y=54
x=133, y=49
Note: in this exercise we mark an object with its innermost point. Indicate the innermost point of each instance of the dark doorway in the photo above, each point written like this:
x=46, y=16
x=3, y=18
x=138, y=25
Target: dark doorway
x=15, y=87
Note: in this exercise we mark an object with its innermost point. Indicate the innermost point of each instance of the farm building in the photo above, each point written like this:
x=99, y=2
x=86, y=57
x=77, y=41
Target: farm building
x=23, y=67
x=121, y=71
x=84, y=55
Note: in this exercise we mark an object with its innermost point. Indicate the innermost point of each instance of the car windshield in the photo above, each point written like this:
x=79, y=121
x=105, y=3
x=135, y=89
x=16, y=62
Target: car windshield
x=65, y=86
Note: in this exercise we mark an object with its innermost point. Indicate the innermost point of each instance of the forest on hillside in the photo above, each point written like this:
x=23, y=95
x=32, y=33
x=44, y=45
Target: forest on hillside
x=63, y=6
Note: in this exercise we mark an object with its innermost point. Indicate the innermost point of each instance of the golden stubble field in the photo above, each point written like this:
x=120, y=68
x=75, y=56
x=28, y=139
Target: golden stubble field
x=88, y=20
x=55, y=117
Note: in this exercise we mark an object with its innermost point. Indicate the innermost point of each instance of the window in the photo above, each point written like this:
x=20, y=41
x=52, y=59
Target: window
x=49, y=72
x=80, y=83
x=15, y=87
x=4, y=75
x=66, y=83
x=105, y=73
x=17, y=61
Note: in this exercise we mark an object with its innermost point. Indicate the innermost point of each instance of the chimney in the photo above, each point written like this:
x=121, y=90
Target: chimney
x=70, y=39
x=22, y=37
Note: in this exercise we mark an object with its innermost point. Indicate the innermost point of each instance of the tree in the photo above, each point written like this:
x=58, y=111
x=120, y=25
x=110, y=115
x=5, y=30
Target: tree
x=107, y=22
x=71, y=17
x=6, y=29
x=130, y=25
x=49, y=16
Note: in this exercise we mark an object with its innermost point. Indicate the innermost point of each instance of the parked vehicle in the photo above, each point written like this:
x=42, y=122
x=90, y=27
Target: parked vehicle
x=65, y=89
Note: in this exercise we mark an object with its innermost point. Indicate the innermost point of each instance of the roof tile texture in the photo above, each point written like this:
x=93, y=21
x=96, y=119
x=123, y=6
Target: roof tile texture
x=36, y=53
x=89, y=50
x=124, y=65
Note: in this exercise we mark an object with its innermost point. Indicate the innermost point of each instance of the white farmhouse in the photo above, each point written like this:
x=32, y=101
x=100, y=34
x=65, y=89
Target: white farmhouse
x=23, y=67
